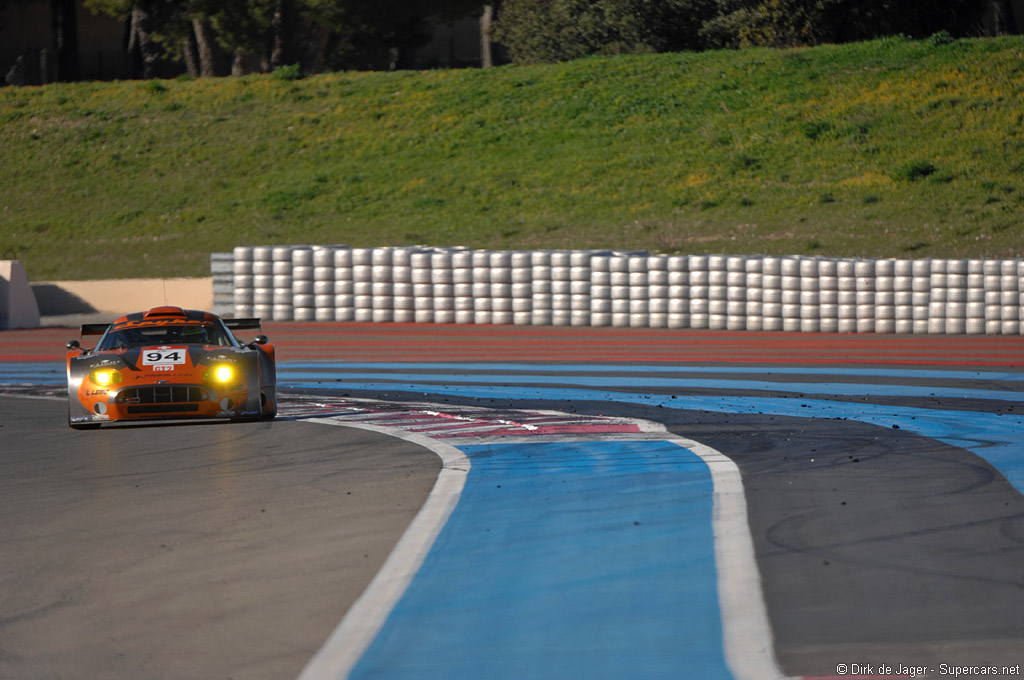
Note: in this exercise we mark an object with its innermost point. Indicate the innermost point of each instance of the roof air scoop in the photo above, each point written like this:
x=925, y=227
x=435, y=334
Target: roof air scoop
x=164, y=311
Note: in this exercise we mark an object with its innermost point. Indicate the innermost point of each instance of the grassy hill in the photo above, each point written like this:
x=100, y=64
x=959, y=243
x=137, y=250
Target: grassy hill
x=890, y=148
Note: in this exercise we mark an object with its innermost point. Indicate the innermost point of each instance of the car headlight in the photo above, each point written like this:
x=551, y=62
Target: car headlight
x=221, y=374
x=105, y=377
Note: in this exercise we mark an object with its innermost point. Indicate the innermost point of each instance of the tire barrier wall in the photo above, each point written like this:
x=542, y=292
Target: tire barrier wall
x=613, y=288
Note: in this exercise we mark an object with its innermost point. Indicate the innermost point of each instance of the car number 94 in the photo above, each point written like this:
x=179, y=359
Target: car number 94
x=163, y=357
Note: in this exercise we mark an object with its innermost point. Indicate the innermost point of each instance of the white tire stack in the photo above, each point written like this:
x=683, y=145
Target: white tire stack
x=281, y=268
x=344, y=286
x=700, y=307
x=639, y=302
x=678, y=269
x=442, y=286
x=810, y=295
x=590, y=288
x=792, y=292
x=243, y=289
x=479, y=278
x=580, y=287
x=903, y=296
x=828, y=294
x=753, y=284
x=771, y=293
x=501, y=288
x=1009, y=298
x=956, y=297
x=993, y=296
x=302, y=284
x=736, y=293
x=403, y=293
x=885, y=296
x=618, y=280
x=362, y=284
x=561, y=288
x=600, y=290
x=323, y=283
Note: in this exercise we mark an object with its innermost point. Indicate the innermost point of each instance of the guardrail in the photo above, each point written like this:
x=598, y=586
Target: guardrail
x=612, y=288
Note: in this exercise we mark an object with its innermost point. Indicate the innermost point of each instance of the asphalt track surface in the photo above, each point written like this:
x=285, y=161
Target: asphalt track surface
x=882, y=477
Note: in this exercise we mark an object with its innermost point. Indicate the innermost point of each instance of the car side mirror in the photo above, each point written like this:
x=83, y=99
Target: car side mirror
x=260, y=340
x=73, y=344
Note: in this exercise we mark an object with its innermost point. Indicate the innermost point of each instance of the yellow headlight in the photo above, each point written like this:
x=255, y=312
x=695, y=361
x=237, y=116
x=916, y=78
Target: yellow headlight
x=223, y=374
x=105, y=377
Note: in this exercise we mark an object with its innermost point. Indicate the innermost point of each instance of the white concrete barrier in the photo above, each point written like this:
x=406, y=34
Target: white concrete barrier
x=18, y=307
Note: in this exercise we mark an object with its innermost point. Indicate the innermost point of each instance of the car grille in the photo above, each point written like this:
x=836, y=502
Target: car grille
x=162, y=408
x=179, y=395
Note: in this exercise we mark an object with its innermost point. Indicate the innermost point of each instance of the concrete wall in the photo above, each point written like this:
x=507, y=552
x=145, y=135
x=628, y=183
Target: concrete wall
x=18, y=307
x=107, y=300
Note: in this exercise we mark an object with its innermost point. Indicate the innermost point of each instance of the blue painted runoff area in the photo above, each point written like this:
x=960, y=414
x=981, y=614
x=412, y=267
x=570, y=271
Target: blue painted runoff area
x=550, y=554
x=830, y=388
x=33, y=373
x=661, y=368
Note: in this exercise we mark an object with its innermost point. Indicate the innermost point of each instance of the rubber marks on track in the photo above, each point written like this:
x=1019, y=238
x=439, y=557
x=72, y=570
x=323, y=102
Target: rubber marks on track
x=457, y=421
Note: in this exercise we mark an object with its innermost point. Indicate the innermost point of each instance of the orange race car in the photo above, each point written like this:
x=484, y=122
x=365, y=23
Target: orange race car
x=170, y=363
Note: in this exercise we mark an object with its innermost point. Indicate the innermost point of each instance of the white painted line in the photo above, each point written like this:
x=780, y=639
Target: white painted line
x=746, y=632
x=343, y=649
x=45, y=397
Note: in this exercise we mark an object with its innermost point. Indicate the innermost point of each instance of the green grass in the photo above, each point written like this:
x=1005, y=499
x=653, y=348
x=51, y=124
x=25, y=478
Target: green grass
x=890, y=148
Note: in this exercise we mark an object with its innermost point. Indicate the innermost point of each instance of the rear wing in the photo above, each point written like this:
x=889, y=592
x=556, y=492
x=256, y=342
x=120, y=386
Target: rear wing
x=243, y=324
x=94, y=328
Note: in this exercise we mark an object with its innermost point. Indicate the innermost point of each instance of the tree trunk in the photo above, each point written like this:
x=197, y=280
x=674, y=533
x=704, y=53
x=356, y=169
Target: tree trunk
x=486, y=21
x=188, y=50
x=207, y=48
x=283, y=25
x=245, y=63
x=142, y=55
x=315, y=52
x=65, y=38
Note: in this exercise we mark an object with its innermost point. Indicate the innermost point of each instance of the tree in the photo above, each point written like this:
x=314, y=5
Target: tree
x=789, y=23
x=65, y=38
x=221, y=36
x=557, y=30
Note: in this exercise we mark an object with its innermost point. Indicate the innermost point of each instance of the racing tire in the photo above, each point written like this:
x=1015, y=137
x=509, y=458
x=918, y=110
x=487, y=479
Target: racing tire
x=266, y=415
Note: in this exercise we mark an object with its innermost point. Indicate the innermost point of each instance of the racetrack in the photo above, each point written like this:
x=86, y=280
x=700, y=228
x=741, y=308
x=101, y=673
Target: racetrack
x=882, y=480
x=189, y=551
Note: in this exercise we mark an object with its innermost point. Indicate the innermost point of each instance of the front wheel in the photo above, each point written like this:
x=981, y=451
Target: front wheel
x=267, y=414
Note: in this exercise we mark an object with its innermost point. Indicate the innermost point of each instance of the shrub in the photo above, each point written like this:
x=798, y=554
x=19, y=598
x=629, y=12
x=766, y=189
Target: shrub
x=815, y=129
x=290, y=72
x=912, y=171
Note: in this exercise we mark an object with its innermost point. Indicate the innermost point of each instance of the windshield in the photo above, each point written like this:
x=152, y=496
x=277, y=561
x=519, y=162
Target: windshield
x=165, y=334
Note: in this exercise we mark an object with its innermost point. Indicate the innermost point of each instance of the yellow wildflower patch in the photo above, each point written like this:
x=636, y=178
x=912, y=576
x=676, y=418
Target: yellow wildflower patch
x=867, y=179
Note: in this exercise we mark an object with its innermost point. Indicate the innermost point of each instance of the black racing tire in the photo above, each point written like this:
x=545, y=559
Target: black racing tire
x=266, y=415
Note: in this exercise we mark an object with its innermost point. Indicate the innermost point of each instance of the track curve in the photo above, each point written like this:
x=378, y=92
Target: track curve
x=882, y=476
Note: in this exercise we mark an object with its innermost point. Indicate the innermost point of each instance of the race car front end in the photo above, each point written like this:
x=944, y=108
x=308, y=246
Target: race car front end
x=162, y=382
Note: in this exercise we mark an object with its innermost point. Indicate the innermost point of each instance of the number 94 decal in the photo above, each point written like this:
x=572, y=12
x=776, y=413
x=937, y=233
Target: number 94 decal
x=164, y=356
